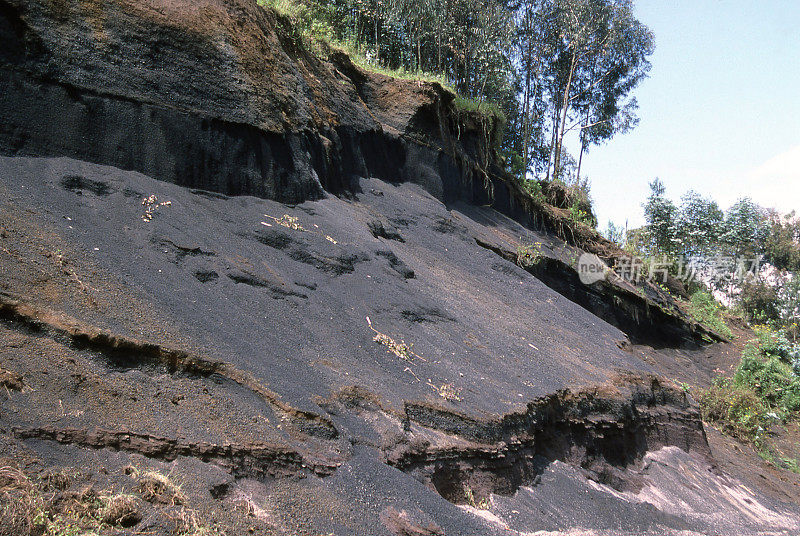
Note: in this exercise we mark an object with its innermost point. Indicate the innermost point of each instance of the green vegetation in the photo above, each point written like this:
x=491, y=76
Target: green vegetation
x=759, y=302
x=534, y=188
x=482, y=504
x=699, y=227
x=764, y=390
x=704, y=309
x=529, y=256
x=792, y=464
x=581, y=216
x=723, y=251
x=736, y=409
x=482, y=107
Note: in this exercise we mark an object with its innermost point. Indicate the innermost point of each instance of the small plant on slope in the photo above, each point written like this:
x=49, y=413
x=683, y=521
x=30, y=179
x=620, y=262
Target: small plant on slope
x=400, y=349
x=482, y=504
x=448, y=391
x=707, y=312
x=529, y=256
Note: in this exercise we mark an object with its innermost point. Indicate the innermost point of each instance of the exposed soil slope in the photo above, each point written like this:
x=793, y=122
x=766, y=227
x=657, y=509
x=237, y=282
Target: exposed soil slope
x=295, y=288
x=222, y=341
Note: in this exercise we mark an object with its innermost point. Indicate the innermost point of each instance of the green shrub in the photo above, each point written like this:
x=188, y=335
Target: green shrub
x=764, y=389
x=775, y=342
x=708, y=312
x=483, y=107
x=739, y=411
x=772, y=379
x=789, y=303
x=759, y=301
x=529, y=256
x=534, y=188
x=581, y=216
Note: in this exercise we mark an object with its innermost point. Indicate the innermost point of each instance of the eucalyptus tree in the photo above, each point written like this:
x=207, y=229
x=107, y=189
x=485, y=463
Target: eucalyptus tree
x=533, y=52
x=611, y=74
x=745, y=228
x=660, y=213
x=602, y=55
x=699, y=225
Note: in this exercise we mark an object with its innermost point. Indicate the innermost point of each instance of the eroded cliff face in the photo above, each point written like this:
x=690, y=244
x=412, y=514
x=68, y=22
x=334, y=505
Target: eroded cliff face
x=220, y=95
x=180, y=293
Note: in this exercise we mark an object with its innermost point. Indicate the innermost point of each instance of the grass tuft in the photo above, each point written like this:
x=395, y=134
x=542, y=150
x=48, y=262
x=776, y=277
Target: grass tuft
x=156, y=487
x=120, y=511
x=19, y=505
x=736, y=409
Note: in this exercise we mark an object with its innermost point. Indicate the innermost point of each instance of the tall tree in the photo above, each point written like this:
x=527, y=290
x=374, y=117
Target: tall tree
x=746, y=227
x=603, y=57
x=699, y=225
x=660, y=214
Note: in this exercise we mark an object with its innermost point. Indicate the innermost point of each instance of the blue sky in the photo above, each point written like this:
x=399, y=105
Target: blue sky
x=719, y=114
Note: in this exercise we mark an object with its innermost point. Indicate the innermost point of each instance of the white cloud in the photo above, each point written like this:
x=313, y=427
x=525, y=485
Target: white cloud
x=784, y=167
x=776, y=182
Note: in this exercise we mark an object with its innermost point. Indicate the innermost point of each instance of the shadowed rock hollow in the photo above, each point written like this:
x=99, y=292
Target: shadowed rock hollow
x=294, y=287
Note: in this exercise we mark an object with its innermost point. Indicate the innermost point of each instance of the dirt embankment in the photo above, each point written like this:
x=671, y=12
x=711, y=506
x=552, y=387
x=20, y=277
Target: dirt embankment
x=180, y=326
x=220, y=95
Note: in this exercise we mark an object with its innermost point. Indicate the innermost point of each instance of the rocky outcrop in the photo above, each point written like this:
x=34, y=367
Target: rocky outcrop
x=601, y=430
x=244, y=461
x=220, y=95
x=224, y=96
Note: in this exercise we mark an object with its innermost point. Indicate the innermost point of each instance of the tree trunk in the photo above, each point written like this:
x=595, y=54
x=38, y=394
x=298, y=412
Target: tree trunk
x=583, y=147
x=552, y=142
x=565, y=108
x=526, y=110
x=377, y=36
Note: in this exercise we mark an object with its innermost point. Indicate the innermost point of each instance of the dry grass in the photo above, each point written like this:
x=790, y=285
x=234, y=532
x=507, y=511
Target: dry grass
x=11, y=380
x=48, y=507
x=293, y=223
x=448, y=391
x=121, y=511
x=290, y=222
x=400, y=349
x=158, y=488
x=187, y=523
x=152, y=205
x=18, y=502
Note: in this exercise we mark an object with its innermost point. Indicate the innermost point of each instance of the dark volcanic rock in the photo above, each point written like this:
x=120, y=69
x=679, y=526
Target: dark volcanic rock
x=368, y=363
x=465, y=376
x=215, y=94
